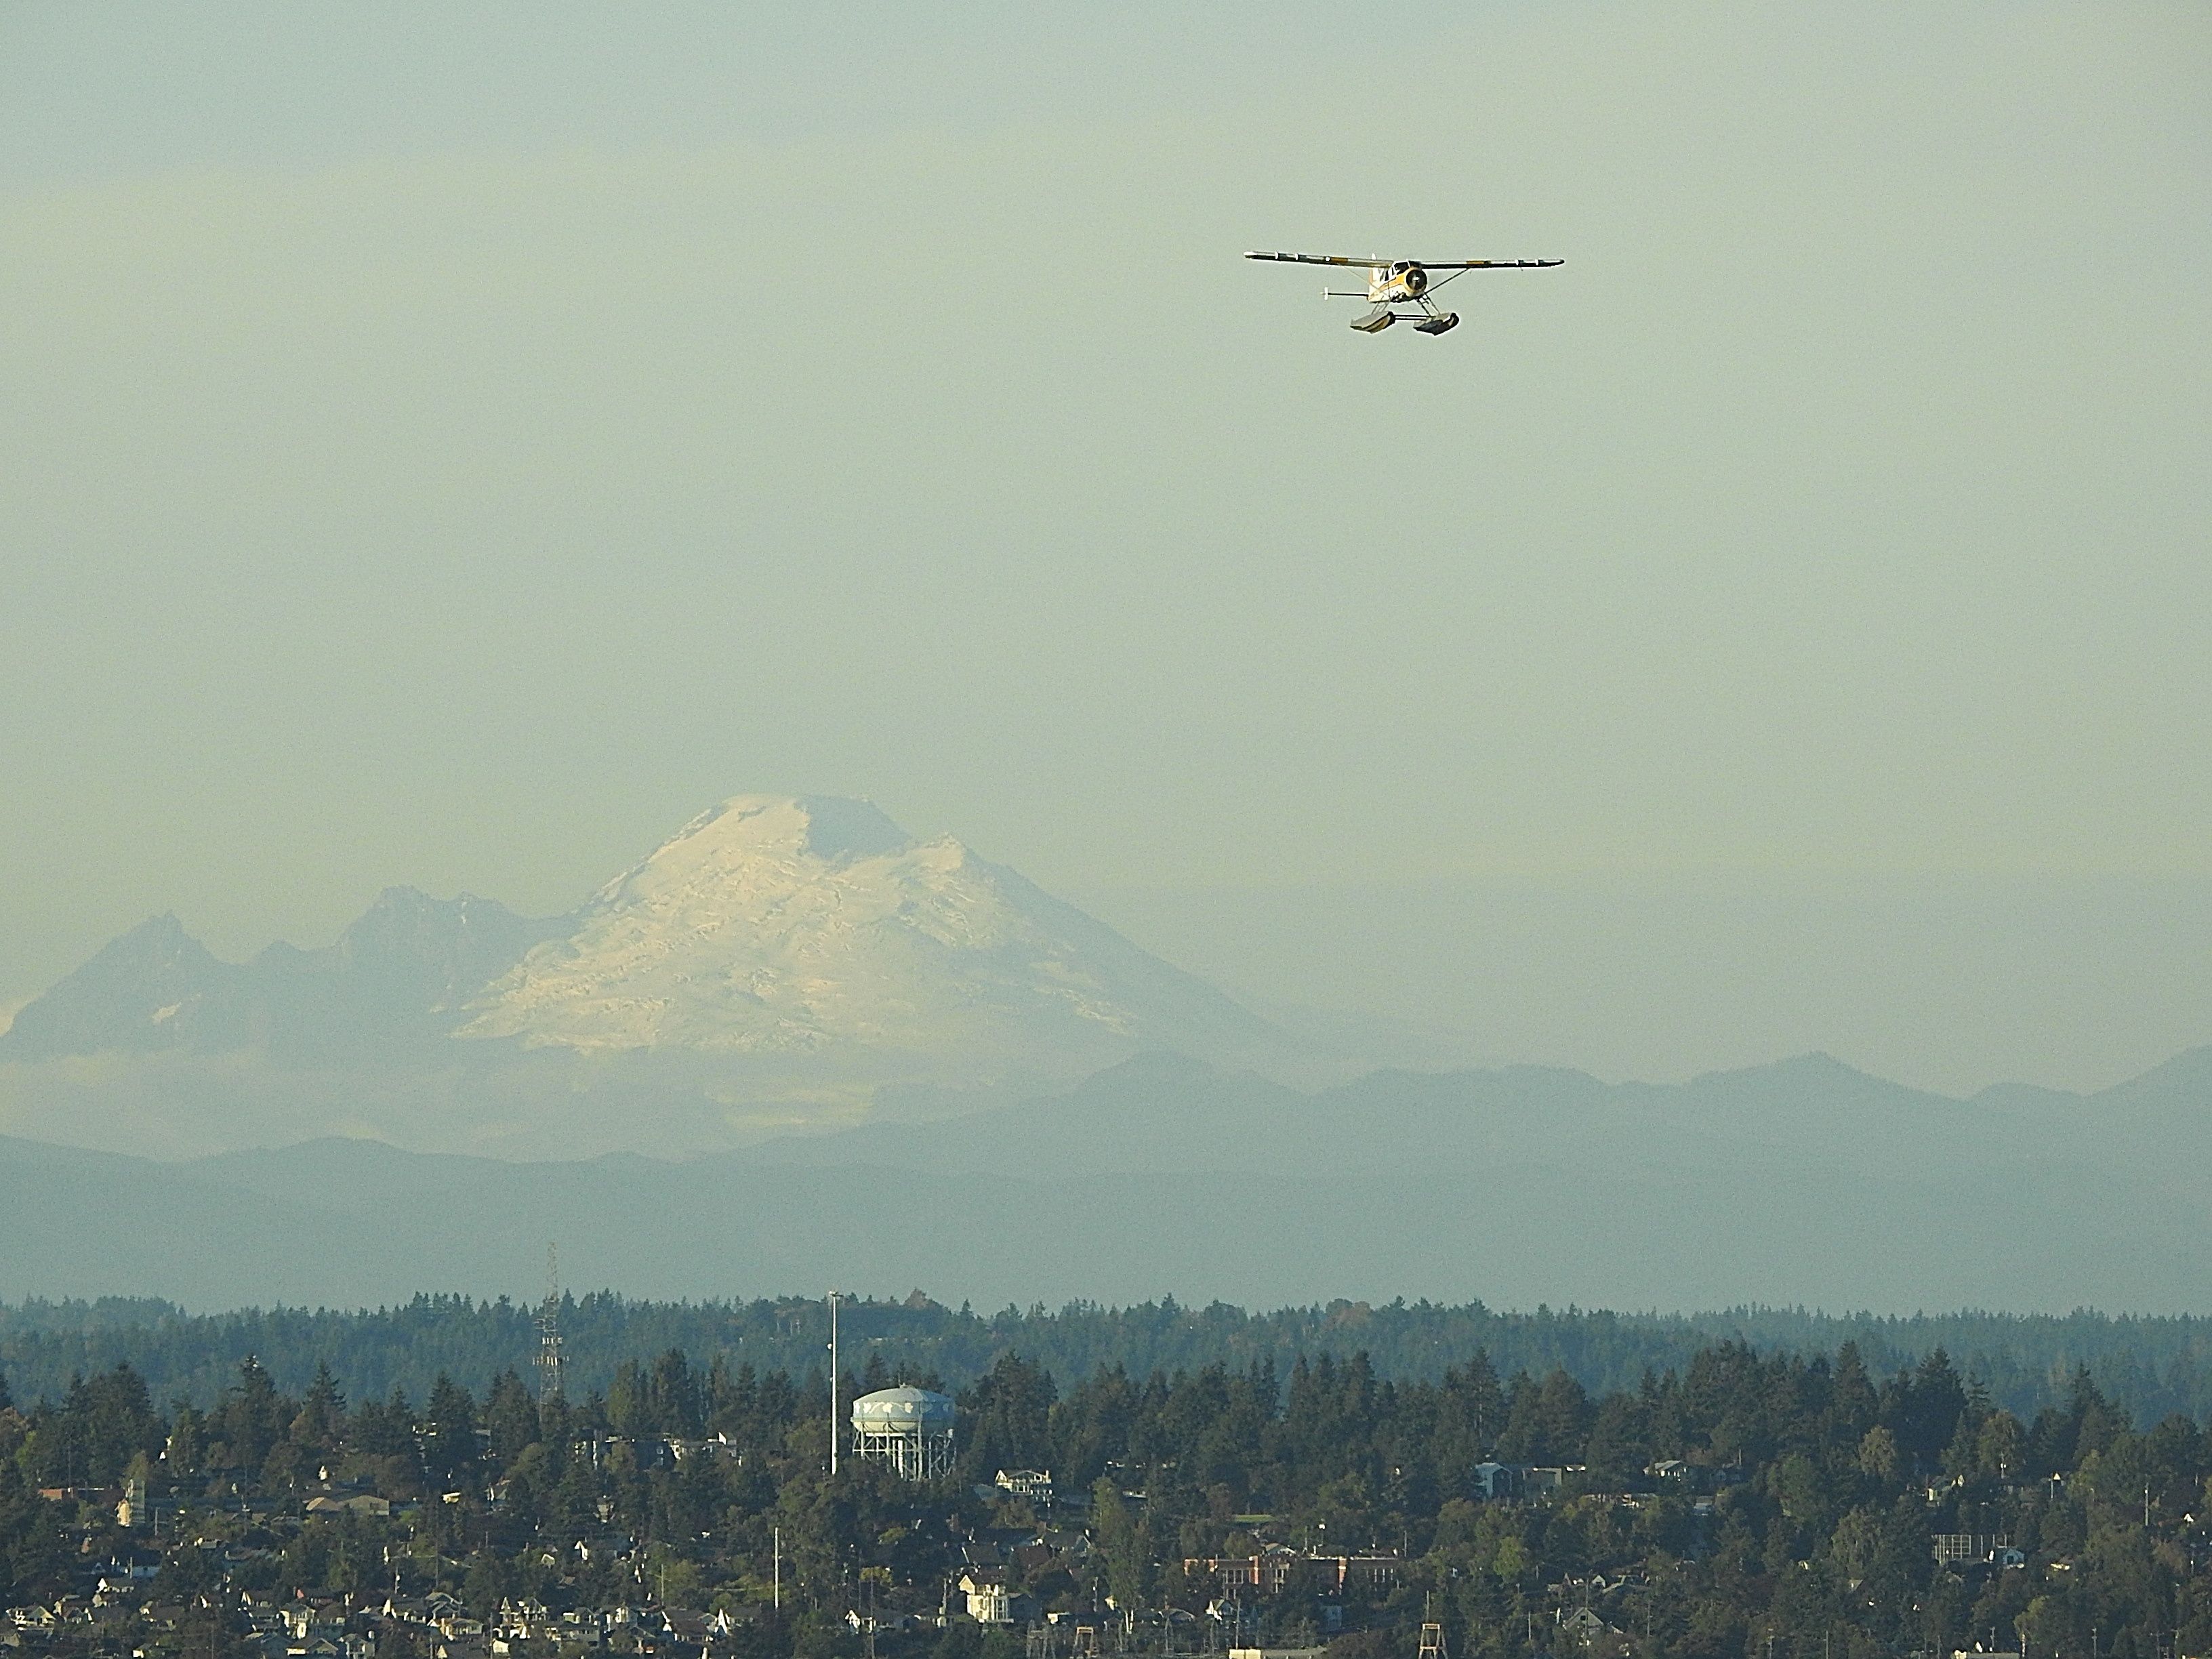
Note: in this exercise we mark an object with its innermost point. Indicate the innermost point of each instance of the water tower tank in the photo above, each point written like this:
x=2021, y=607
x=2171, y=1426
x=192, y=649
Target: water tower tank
x=917, y=1411
x=910, y=1429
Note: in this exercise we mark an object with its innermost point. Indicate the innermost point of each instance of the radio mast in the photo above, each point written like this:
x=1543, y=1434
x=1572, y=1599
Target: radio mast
x=549, y=1329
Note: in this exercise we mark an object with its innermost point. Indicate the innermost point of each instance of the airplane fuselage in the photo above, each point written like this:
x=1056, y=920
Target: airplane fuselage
x=1396, y=285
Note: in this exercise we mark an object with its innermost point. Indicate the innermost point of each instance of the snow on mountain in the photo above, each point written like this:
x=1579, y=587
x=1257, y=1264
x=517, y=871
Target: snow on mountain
x=779, y=927
x=780, y=965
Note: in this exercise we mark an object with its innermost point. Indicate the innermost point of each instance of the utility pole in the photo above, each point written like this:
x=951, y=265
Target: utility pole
x=832, y=1384
x=777, y=1592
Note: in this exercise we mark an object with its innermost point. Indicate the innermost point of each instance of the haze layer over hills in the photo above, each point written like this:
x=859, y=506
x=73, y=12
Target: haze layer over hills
x=1804, y=1183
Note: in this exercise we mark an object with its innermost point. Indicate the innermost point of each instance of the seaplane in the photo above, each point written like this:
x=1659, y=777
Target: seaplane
x=1395, y=282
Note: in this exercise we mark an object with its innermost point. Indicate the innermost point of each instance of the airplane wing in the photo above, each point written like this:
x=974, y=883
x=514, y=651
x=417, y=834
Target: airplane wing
x=1316, y=260
x=1429, y=264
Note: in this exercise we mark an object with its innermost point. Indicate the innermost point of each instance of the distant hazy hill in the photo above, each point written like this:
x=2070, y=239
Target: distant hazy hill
x=778, y=962
x=1804, y=1183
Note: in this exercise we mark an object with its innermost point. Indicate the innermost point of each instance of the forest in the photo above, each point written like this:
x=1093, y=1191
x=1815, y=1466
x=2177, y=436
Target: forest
x=2153, y=1366
x=1741, y=1503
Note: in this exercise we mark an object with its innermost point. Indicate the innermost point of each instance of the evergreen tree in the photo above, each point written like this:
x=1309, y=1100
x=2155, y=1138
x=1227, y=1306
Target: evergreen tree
x=449, y=1432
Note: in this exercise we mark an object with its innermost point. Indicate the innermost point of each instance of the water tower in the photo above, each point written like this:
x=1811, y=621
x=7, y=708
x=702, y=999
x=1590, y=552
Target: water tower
x=909, y=1429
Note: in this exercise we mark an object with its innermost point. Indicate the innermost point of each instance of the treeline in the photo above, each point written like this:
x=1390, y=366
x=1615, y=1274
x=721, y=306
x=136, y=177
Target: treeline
x=2153, y=1366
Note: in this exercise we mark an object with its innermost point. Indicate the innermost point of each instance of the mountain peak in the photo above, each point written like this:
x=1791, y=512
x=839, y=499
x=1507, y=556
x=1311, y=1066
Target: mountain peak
x=160, y=938
x=129, y=995
x=798, y=924
x=752, y=833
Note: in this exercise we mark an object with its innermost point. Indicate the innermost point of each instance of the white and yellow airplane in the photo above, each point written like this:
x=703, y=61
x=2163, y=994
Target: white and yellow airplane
x=1403, y=281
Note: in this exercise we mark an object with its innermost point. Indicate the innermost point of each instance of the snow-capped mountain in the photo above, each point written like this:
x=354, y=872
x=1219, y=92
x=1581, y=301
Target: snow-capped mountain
x=780, y=964
x=773, y=926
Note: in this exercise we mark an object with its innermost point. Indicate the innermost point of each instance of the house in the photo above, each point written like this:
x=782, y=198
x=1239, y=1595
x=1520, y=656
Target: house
x=989, y=1600
x=715, y=1446
x=135, y=1566
x=686, y=1627
x=1034, y=1484
x=522, y=1620
x=340, y=1504
x=1494, y=1480
x=1339, y=1573
x=1585, y=1628
x=1705, y=1478
x=1968, y=1549
x=307, y=1622
x=1266, y=1572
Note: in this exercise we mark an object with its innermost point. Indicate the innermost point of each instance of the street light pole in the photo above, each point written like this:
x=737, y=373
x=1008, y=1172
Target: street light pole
x=833, y=1383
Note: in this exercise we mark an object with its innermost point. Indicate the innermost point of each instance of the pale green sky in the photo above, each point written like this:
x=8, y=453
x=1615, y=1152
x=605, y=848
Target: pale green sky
x=455, y=449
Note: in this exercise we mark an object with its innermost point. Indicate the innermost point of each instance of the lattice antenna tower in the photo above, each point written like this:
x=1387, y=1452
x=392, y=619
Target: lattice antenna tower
x=549, y=1328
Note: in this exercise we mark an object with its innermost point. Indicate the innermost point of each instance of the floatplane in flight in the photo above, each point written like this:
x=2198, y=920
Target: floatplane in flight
x=1394, y=283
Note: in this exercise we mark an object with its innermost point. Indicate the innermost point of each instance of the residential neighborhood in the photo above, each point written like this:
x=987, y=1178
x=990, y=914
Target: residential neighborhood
x=1745, y=1503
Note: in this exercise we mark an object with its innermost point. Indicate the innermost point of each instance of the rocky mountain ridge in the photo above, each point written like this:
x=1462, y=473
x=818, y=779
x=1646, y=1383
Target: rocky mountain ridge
x=401, y=972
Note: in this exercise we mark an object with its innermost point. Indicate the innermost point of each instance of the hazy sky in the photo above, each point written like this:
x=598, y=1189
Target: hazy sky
x=455, y=448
